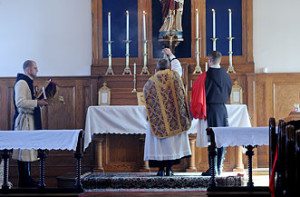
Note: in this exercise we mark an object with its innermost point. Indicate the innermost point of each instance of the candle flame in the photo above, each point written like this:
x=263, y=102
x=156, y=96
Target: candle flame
x=213, y=10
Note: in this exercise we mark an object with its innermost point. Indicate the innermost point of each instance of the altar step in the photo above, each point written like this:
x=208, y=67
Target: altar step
x=148, y=180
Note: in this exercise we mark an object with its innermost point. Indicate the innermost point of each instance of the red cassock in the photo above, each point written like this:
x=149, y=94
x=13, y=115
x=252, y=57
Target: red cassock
x=198, y=103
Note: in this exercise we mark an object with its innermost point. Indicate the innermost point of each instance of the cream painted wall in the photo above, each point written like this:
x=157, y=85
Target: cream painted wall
x=57, y=34
x=276, y=35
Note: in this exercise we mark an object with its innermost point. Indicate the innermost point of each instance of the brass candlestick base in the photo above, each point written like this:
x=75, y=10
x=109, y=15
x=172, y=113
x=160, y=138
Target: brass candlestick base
x=231, y=69
x=109, y=71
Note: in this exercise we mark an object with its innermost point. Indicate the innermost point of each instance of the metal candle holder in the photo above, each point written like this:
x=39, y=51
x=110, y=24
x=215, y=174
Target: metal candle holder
x=109, y=70
x=127, y=70
x=230, y=68
x=145, y=70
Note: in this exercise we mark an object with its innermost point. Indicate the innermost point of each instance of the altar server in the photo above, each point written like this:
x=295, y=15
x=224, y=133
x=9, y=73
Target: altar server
x=211, y=90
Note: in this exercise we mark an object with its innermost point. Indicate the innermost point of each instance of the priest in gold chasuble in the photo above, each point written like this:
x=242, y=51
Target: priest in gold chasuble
x=169, y=117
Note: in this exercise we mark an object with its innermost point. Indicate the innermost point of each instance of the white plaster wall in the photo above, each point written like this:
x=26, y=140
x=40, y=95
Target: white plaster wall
x=55, y=33
x=276, y=35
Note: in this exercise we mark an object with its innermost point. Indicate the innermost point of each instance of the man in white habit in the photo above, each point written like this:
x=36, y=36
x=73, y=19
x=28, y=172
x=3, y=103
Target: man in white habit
x=27, y=117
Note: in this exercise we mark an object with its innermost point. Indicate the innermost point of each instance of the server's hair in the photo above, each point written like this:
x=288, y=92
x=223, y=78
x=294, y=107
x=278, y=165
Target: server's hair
x=215, y=56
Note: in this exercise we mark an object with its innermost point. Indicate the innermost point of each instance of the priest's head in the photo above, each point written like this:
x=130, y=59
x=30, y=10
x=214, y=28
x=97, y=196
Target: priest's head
x=163, y=64
x=214, y=58
x=30, y=68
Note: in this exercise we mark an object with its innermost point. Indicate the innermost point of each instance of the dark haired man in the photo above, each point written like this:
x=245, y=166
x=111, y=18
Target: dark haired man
x=215, y=85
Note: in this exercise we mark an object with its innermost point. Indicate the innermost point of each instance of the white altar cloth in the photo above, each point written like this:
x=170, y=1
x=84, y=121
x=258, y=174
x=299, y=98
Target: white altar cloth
x=237, y=136
x=133, y=120
x=39, y=139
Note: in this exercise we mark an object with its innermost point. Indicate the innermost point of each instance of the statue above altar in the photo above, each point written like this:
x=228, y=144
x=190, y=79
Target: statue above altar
x=170, y=33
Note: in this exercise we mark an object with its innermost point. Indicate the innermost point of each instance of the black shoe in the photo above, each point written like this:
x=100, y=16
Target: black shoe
x=169, y=172
x=206, y=173
x=160, y=173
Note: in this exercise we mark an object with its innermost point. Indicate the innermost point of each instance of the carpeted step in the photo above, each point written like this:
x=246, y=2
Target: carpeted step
x=150, y=180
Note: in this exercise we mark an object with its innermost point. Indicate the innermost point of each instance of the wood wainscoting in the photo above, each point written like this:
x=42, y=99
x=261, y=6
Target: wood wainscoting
x=267, y=95
x=78, y=93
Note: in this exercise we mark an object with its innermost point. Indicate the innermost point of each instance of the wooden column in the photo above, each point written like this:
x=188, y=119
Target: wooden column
x=192, y=163
x=98, y=154
x=239, y=165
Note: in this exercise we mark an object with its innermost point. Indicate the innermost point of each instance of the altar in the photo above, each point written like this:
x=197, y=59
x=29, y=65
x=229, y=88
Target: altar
x=126, y=120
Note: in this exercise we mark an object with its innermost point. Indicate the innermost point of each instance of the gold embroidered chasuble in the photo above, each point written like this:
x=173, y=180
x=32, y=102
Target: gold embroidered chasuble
x=166, y=104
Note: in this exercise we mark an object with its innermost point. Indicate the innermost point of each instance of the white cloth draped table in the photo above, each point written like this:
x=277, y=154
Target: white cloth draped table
x=240, y=136
x=39, y=139
x=133, y=120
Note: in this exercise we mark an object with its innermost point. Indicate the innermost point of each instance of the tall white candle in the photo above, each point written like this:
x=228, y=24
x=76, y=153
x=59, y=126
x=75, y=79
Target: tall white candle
x=230, y=37
x=144, y=26
x=109, y=39
x=109, y=27
x=230, y=28
x=197, y=39
x=206, y=66
x=214, y=29
x=127, y=25
x=127, y=38
x=145, y=38
x=197, y=23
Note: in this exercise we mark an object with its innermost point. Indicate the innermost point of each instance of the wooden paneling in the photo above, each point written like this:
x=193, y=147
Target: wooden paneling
x=78, y=93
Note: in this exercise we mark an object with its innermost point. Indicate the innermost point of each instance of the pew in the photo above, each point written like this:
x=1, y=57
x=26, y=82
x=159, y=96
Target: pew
x=284, y=178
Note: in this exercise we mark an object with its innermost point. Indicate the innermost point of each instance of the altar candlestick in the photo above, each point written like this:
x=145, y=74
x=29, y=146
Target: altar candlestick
x=230, y=38
x=197, y=48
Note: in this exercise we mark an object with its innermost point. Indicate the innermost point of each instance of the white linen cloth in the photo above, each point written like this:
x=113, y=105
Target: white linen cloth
x=241, y=136
x=115, y=120
x=39, y=139
x=237, y=117
x=159, y=149
x=133, y=120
